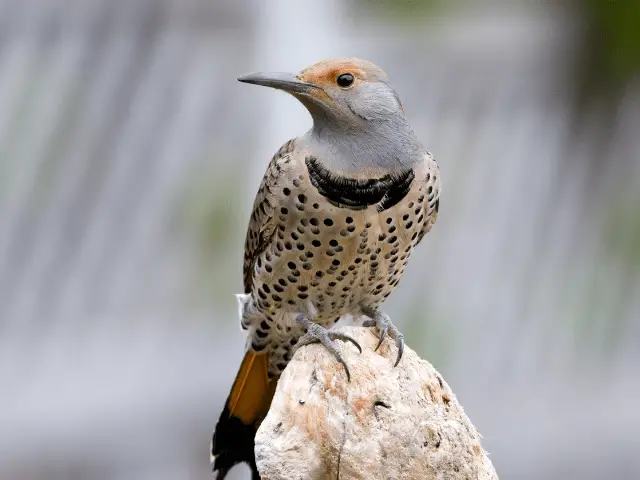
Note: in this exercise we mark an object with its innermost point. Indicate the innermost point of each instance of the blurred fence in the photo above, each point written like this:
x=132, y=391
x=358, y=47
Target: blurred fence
x=113, y=113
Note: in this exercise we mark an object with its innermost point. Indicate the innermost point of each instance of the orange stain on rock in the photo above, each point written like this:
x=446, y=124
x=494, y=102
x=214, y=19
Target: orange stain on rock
x=334, y=386
x=360, y=407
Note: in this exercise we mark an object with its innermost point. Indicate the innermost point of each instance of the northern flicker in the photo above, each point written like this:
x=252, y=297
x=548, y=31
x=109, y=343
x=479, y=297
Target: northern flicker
x=334, y=222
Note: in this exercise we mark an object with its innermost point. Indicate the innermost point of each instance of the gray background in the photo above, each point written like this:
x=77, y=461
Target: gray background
x=129, y=157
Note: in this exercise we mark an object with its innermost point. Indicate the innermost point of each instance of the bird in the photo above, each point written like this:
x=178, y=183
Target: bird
x=336, y=217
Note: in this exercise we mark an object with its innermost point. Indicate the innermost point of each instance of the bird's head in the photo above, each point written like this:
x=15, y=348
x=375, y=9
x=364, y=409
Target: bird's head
x=348, y=91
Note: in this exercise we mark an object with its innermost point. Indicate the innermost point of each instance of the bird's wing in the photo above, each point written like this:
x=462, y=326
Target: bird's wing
x=432, y=203
x=261, y=224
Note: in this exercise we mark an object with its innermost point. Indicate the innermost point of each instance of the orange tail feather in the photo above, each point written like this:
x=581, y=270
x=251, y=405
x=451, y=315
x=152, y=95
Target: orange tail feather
x=246, y=406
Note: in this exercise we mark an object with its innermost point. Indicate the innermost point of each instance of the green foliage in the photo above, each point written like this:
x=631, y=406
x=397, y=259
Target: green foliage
x=426, y=333
x=209, y=214
x=623, y=227
x=608, y=46
x=616, y=36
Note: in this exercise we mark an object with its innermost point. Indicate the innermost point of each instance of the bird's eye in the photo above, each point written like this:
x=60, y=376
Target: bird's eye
x=345, y=80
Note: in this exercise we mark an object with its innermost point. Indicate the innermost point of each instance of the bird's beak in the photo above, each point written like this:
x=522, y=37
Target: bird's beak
x=282, y=81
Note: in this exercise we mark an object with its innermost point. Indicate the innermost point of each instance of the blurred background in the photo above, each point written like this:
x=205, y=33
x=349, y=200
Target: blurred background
x=129, y=157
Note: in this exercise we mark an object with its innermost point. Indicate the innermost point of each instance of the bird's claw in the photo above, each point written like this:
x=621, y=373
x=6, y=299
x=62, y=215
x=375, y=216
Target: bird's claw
x=383, y=323
x=318, y=334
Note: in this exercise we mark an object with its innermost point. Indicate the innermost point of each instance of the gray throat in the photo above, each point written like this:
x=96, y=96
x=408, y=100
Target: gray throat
x=369, y=147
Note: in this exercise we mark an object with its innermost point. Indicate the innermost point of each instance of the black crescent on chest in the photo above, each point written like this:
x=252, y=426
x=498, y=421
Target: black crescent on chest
x=356, y=194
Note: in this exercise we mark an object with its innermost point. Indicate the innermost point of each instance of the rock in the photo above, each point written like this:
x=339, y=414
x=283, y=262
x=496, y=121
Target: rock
x=387, y=423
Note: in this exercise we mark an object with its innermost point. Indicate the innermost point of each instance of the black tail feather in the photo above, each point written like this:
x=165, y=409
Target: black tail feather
x=232, y=443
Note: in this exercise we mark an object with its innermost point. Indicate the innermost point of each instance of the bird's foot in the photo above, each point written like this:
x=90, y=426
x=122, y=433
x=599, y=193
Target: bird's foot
x=385, y=326
x=318, y=334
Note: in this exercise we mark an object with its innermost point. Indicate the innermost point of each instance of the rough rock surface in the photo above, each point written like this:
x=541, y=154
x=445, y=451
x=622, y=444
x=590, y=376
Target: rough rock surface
x=388, y=423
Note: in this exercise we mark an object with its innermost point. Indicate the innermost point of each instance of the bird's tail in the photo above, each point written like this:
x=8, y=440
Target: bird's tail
x=247, y=405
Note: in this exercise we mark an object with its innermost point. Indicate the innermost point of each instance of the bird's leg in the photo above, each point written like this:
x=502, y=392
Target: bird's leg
x=318, y=334
x=383, y=323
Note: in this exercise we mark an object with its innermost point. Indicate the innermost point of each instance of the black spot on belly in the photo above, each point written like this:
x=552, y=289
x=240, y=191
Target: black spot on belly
x=356, y=194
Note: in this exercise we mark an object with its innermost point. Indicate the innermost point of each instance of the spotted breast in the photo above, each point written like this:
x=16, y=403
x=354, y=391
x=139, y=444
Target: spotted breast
x=325, y=244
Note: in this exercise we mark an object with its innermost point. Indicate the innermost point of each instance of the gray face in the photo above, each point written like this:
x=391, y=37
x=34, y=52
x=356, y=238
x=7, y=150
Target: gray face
x=358, y=120
x=370, y=101
x=344, y=90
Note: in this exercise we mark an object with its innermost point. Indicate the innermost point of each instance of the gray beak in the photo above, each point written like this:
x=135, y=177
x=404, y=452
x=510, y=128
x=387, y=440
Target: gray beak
x=282, y=81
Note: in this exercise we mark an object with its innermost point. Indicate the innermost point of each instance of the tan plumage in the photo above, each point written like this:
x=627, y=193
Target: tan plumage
x=321, y=259
x=330, y=234
x=261, y=223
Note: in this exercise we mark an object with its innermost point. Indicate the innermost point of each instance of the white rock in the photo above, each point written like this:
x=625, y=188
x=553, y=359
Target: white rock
x=387, y=423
